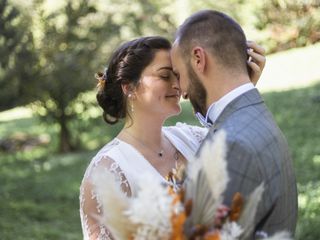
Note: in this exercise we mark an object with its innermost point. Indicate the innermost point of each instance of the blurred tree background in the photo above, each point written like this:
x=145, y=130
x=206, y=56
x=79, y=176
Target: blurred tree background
x=18, y=62
x=50, y=50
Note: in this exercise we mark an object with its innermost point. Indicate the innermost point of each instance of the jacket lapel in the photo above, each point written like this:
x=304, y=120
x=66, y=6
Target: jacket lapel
x=249, y=98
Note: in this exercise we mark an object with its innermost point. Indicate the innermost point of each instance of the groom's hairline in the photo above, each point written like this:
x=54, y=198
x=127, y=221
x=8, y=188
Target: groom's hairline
x=186, y=39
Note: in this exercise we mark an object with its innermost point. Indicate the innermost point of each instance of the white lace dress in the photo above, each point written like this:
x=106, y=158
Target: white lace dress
x=128, y=164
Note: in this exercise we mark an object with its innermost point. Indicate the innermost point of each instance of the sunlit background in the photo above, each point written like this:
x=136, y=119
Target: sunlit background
x=50, y=125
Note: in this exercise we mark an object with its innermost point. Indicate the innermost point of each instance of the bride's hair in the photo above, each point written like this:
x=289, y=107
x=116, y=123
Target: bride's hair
x=125, y=67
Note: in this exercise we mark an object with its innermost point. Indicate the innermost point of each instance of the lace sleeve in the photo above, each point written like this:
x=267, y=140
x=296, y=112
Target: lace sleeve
x=195, y=132
x=90, y=207
x=199, y=133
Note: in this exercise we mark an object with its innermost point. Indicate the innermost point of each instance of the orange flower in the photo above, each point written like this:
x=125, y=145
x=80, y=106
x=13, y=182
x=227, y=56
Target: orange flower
x=101, y=80
x=178, y=218
x=188, y=207
x=236, y=207
x=213, y=235
x=177, y=221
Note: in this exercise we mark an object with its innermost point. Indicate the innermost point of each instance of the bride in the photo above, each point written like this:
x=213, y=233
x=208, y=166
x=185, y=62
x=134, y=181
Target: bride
x=140, y=87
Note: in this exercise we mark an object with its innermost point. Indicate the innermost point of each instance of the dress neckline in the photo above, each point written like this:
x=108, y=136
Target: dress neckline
x=144, y=158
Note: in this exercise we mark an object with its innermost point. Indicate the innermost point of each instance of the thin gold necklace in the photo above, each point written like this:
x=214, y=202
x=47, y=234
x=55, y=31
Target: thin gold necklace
x=159, y=153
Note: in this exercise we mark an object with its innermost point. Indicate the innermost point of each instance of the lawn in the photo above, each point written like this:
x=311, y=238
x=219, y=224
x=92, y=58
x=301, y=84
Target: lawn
x=39, y=189
x=294, y=68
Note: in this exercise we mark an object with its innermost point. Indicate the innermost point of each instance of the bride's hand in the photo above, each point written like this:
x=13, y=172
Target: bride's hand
x=257, y=62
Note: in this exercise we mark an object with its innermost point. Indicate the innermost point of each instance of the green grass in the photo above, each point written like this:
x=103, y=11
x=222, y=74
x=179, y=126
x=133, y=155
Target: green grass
x=39, y=189
x=39, y=197
x=289, y=69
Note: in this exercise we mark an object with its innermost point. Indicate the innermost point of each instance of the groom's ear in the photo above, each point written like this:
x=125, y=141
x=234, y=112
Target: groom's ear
x=198, y=58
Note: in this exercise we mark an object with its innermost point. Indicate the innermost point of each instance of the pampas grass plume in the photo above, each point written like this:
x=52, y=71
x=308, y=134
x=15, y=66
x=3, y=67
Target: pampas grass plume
x=246, y=220
x=215, y=165
x=113, y=203
x=280, y=236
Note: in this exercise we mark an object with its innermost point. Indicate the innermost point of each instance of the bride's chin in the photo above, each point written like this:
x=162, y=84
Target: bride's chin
x=176, y=111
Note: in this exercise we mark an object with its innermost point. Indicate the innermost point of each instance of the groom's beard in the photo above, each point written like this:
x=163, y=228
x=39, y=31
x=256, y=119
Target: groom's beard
x=196, y=92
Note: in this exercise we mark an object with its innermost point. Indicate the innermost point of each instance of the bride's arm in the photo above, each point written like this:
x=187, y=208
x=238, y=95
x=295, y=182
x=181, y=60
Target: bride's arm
x=90, y=208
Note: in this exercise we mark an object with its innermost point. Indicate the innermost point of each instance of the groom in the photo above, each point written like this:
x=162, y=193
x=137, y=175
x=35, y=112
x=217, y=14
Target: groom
x=210, y=56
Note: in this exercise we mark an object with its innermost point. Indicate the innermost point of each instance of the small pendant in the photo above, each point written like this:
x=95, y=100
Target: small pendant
x=160, y=154
x=176, y=155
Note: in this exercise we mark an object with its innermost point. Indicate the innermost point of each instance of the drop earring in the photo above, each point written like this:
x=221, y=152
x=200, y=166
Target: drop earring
x=131, y=102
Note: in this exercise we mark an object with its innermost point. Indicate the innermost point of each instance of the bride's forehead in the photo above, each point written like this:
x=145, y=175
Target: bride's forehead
x=161, y=60
x=162, y=55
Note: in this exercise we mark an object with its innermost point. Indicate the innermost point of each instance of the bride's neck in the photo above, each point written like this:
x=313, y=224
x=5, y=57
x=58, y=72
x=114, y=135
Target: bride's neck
x=146, y=128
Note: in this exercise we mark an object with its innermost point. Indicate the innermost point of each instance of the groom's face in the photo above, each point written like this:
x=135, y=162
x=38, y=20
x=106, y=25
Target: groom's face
x=190, y=84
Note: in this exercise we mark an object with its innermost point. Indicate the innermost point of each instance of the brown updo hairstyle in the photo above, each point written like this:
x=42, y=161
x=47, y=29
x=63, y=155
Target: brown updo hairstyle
x=125, y=67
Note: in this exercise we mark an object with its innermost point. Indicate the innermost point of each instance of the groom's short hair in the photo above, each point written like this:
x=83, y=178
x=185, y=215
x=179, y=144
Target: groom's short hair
x=219, y=34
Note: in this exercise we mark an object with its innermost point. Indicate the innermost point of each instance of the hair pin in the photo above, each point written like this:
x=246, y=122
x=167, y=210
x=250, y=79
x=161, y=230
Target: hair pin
x=101, y=80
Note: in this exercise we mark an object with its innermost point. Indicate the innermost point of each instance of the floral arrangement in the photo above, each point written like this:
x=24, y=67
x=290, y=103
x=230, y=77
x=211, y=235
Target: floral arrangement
x=176, y=211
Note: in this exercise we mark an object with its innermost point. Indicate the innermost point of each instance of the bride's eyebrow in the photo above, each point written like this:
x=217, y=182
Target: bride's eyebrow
x=166, y=68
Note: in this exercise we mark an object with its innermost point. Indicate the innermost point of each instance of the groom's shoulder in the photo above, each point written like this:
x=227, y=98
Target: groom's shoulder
x=253, y=125
x=255, y=118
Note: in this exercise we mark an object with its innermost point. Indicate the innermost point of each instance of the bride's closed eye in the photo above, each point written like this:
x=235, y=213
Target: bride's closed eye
x=166, y=75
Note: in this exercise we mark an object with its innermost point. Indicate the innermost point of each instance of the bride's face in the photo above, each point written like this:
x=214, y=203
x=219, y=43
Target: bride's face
x=158, y=91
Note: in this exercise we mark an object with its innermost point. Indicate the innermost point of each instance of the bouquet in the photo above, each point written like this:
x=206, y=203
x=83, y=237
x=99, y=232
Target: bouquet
x=178, y=211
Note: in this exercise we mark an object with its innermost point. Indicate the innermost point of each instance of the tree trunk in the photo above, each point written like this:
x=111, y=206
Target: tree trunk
x=65, y=144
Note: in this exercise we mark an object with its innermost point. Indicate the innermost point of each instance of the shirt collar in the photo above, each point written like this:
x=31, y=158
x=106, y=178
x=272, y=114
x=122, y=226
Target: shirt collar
x=216, y=108
x=205, y=122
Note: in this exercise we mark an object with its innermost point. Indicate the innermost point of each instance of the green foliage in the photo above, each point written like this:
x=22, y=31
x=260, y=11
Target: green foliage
x=18, y=62
x=50, y=55
x=67, y=47
x=288, y=23
x=140, y=17
x=71, y=39
x=235, y=8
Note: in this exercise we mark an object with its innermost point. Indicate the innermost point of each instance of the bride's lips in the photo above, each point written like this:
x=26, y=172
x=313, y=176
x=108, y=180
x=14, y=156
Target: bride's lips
x=173, y=96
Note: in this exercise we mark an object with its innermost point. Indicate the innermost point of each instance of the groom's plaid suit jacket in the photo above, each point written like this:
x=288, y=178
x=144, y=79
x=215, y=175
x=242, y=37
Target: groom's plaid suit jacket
x=258, y=152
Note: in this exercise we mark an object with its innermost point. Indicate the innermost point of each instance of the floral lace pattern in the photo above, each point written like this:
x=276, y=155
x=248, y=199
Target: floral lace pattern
x=199, y=133
x=90, y=207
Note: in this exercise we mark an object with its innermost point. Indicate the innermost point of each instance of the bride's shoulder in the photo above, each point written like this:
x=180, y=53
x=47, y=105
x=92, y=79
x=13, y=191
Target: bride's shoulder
x=104, y=157
x=108, y=148
x=187, y=131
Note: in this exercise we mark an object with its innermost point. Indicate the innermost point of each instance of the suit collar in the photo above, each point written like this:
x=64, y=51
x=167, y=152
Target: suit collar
x=217, y=107
x=249, y=98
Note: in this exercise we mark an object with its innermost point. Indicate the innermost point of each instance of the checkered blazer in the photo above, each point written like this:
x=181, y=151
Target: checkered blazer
x=258, y=152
